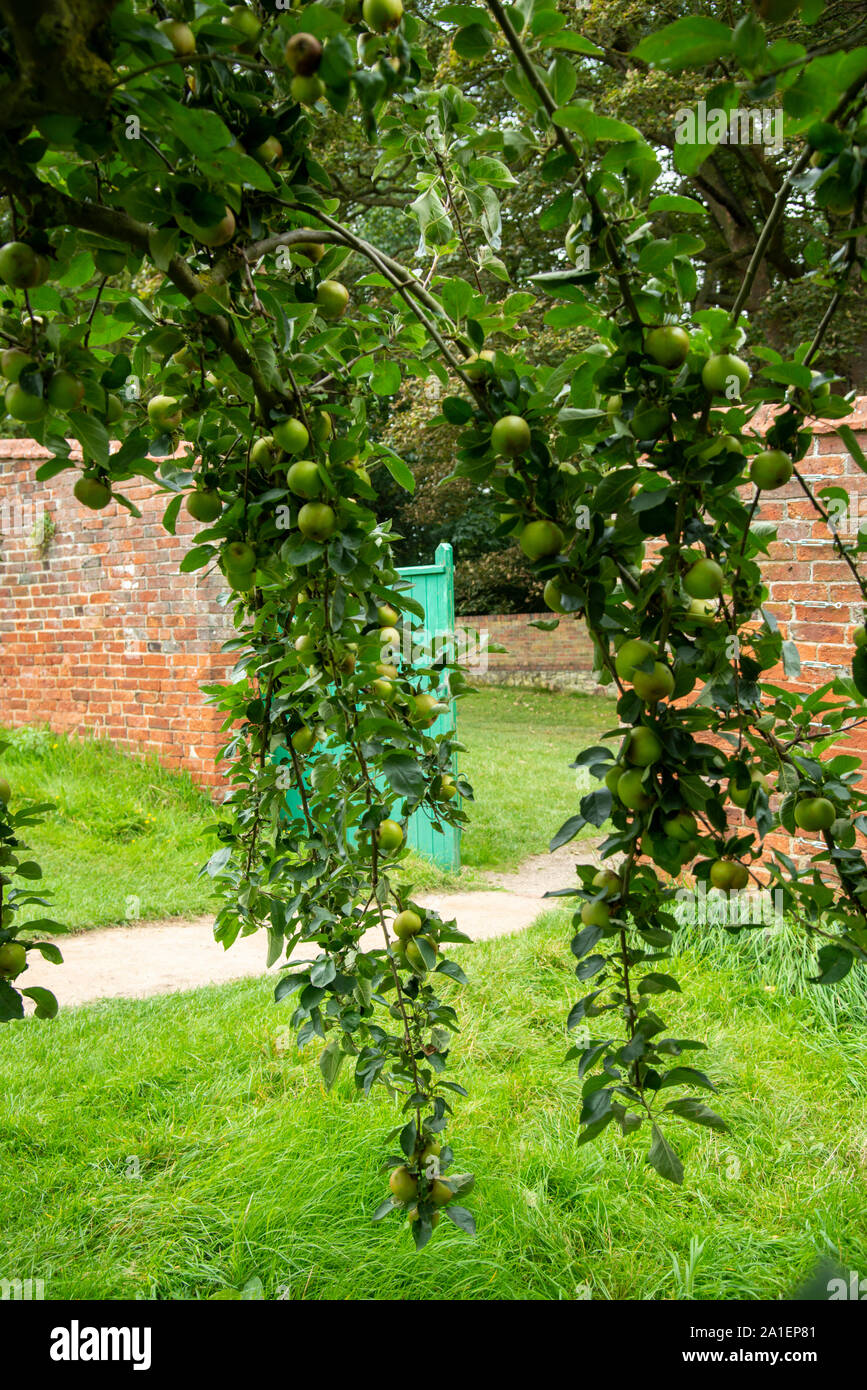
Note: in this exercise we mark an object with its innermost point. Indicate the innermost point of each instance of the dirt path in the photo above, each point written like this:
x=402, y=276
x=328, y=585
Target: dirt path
x=162, y=957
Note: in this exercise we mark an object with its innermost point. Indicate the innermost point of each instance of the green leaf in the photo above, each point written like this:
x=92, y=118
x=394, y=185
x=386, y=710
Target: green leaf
x=698, y=1113
x=664, y=1158
x=489, y=170
x=397, y=468
x=197, y=558
x=658, y=984
x=385, y=379
x=46, y=1004
x=330, y=1061
x=592, y=126
x=692, y=42
x=674, y=202
x=568, y=830
x=835, y=962
x=11, y=1004
x=404, y=775
x=463, y=1219
x=574, y=43
x=473, y=42
x=93, y=437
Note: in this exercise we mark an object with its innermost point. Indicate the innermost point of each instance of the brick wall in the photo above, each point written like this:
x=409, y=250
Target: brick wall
x=562, y=659
x=99, y=633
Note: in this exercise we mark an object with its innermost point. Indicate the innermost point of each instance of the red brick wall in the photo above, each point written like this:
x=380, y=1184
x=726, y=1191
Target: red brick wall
x=560, y=659
x=99, y=633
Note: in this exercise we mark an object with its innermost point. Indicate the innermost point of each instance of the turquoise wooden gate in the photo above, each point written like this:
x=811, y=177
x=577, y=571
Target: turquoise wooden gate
x=433, y=586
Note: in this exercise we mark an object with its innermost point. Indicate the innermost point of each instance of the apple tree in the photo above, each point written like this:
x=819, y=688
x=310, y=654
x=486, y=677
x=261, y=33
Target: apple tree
x=19, y=875
x=184, y=297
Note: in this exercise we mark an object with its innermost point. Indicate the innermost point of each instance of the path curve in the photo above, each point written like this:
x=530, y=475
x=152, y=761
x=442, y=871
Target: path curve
x=134, y=962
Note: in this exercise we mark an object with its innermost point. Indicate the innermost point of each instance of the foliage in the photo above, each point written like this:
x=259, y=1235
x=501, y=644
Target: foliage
x=205, y=165
x=19, y=873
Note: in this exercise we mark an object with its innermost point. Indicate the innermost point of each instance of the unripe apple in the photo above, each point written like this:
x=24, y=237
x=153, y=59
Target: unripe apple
x=771, y=469
x=632, y=791
x=382, y=15
x=725, y=375
x=270, y=151
x=595, y=915
x=332, y=299
x=305, y=646
x=815, y=813
x=389, y=836
x=179, y=35
x=386, y=615
x=668, y=346
x=424, y=710
x=478, y=366
x=630, y=655
x=448, y=787
x=164, y=412
x=541, y=539
x=303, y=479
x=740, y=796
x=204, y=504
x=264, y=453
x=303, y=54
x=15, y=361
x=407, y=923
x=307, y=90
x=245, y=23
x=65, y=391
x=91, y=493
x=240, y=557
x=19, y=265
x=552, y=596
x=292, y=436
x=681, y=827
x=440, y=1193
x=643, y=747
x=310, y=250
x=218, y=233
x=414, y=955
x=389, y=636
x=654, y=685
x=303, y=739
x=704, y=579
x=403, y=1185
x=510, y=436
x=317, y=521
x=610, y=881
x=13, y=959
x=21, y=405
x=728, y=875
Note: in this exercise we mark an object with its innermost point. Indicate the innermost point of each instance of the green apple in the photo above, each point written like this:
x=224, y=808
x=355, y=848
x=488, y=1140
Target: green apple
x=478, y=366
x=264, y=453
x=595, y=915
x=552, y=596
x=389, y=836
x=245, y=23
x=303, y=54
x=771, y=469
x=407, y=923
x=91, y=493
x=510, y=436
x=815, y=813
x=204, y=504
x=681, y=827
x=740, y=796
x=292, y=436
x=13, y=959
x=440, y=1193
x=541, y=539
x=303, y=739
x=241, y=580
x=317, y=521
x=164, y=412
x=632, y=791
x=382, y=15
x=239, y=557
x=310, y=250
x=386, y=615
x=610, y=881
x=321, y=426
x=643, y=748
x=65, y=391
x=307, y=90
x=15, y=361
x=270, y=151
x=704, y=579
x=217, y=233
x=631, y=654
x=667, y=346
x=729, y=875
x=404, y=1186
x=305, y=647
x=21, y=405
x=448, y=787
x=304, y=479
x=179, y=35
x=654, y=685
x=725, y=375
x=332, y=299
x=19, y=265
x=424, y=710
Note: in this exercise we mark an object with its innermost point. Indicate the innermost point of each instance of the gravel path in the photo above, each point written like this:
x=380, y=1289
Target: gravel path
x=161, y=957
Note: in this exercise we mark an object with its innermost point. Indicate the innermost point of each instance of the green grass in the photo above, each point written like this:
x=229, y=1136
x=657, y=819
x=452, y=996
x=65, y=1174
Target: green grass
x=128, y=831
x=519, y=747
x=126, y=838
x=180, y=1146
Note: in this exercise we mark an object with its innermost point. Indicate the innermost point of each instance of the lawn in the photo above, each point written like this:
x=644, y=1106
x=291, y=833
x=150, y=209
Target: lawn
x=128, y=837
x=179, y=1147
